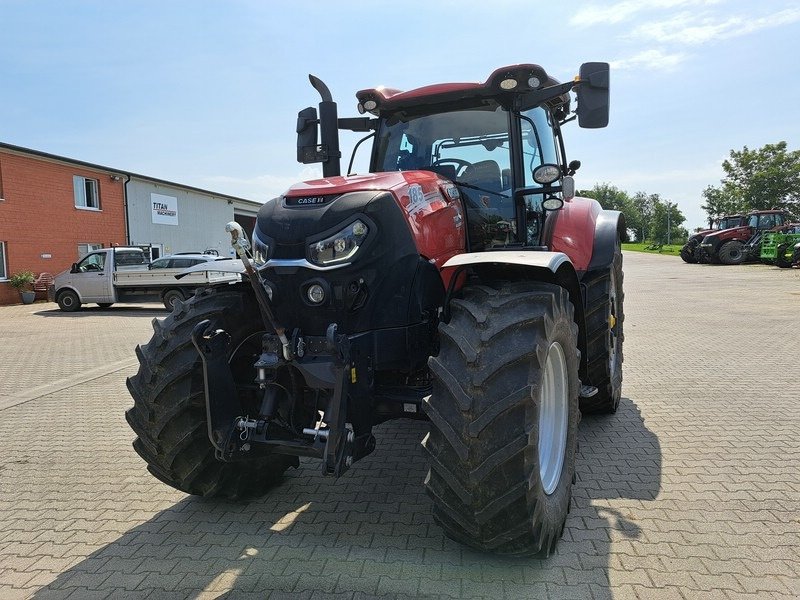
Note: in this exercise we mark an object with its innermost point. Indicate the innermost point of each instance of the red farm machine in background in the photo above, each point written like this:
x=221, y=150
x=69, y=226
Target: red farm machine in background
x=460, y=281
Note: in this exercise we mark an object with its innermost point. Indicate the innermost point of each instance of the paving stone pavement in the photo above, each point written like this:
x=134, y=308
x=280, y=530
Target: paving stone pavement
x=691, y=491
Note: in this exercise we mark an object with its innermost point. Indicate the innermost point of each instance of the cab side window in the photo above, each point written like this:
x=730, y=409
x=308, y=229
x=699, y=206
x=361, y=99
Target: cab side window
x=182, y=263
x=92, y=263
x=538, y=141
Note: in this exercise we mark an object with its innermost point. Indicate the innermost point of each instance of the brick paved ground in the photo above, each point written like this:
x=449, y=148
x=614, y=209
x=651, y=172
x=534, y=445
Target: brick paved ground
x=691, y=491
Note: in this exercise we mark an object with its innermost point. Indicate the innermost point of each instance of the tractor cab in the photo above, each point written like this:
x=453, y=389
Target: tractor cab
x=766, y=220
x=499, y=142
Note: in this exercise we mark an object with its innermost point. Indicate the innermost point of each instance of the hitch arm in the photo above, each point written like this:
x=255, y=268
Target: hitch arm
x=222, y=407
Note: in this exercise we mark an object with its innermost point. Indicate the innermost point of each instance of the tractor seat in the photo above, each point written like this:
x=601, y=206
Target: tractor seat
x=484, y=174
x=448, y=171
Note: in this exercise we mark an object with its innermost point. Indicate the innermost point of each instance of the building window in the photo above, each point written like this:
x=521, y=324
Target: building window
x=84, y=249
x=86, y=192
x=3, y=270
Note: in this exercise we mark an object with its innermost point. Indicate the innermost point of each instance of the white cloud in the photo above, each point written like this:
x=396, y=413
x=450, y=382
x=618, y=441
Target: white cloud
x=687, y=28
x=624, y=11
x=650, y=59
x=260, y=187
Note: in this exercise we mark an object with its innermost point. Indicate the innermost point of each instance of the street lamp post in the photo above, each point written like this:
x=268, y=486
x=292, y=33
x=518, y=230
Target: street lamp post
x=669, y=222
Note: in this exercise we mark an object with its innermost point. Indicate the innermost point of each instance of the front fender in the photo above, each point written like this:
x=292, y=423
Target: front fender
x=549, y=267
x=546, y=260
x=609, y=228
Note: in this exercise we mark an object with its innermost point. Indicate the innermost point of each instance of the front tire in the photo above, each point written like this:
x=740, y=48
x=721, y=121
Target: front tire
x=169, y=415
x=780, y=257
x=68, y=301
x=687, y=253
x=504, y=418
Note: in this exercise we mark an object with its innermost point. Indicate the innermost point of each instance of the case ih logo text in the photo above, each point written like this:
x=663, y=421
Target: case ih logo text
x=308, y=200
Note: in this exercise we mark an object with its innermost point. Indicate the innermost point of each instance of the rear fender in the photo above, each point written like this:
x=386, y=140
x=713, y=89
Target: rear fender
x=548, y=267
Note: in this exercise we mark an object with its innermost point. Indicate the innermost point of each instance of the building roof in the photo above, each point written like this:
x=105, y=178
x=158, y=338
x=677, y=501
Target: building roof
x=115, y=171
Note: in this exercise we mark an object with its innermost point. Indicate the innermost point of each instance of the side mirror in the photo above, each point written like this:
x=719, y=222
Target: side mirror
x=307, y=136
x=568, y=188
x=593, y=95
x=74, y=268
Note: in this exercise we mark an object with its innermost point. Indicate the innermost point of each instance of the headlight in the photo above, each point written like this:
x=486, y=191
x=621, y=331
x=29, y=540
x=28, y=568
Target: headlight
x=260, y=249
x=339, y=247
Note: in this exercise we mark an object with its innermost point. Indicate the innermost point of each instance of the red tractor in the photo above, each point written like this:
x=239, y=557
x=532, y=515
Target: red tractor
x=691, y=252
x=460, y=282
x=737, y=244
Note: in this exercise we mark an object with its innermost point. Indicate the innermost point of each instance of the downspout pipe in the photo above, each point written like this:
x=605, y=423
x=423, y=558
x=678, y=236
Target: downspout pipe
x=125, y=206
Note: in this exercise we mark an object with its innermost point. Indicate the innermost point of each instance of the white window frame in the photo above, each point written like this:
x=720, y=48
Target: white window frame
x=3, y=264
x=84, y=249
x=87, y=192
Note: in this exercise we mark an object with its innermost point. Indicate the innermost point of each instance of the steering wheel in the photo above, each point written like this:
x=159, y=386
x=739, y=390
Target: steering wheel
x=459, y=163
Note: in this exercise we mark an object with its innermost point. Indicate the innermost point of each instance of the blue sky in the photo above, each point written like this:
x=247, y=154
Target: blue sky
x=206, y=93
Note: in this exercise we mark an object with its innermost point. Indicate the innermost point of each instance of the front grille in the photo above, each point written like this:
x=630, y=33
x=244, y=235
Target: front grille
x=289, y=251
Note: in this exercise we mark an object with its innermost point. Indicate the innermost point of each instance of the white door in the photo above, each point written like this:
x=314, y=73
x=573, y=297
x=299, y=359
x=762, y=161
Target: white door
x=93, y=278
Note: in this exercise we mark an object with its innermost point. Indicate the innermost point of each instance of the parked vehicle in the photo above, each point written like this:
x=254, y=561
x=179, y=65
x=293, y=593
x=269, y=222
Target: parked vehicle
x=782, y=249
x=182, y=260
x=691, y=252
x=112, y=275
x=459, y=281
x=735, y=245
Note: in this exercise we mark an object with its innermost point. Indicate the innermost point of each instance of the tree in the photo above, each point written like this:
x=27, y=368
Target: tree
x=722, y=201
x=768, y=177
x=665, y=223
x=612, y=198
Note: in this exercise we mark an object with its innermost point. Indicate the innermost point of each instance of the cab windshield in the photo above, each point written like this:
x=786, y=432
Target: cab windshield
x=471, y=148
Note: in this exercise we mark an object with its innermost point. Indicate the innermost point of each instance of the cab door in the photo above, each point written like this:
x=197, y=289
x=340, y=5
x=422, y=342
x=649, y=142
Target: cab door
x=93, y=278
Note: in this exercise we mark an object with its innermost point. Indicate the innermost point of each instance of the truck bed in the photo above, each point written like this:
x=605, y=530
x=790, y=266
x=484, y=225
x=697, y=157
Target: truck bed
x=166, y=278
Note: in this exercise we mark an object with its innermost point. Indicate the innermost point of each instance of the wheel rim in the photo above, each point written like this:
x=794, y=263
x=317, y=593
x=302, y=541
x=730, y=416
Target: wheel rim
x=612, y=324
x=67, y=300
x=553, y=409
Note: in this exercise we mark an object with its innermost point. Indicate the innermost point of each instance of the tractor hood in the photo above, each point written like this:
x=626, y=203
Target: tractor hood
x=733, y=233
x=355, y=183
x=315, y=207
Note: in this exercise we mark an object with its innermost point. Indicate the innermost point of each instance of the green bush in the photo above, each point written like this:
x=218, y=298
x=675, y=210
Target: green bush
x=22, y=280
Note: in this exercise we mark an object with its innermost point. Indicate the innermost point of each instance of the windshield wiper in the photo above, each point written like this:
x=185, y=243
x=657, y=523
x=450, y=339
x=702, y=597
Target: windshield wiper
x=480, y=189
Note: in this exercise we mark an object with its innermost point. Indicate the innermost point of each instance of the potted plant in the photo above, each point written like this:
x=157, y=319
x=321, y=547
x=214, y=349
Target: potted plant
x=23, y=283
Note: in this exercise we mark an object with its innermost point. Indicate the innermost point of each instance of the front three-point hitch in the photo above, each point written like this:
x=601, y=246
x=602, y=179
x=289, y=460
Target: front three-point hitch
x=324, y=363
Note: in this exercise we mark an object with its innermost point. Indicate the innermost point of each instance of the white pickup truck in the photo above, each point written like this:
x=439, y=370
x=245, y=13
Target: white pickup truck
x=115, y=275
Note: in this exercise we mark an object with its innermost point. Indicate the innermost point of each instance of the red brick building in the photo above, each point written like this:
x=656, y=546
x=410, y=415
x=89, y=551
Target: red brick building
x=53, y=210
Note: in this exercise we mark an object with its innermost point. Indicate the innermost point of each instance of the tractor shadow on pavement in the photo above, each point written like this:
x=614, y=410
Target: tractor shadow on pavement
x=95, y=311
x=370, y=534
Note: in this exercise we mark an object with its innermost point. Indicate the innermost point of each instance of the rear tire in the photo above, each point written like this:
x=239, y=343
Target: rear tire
x=731, y=253
x=504, y=418
x=171, y=298
x=605, y=318
x=169, y=415
x=68, y=301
